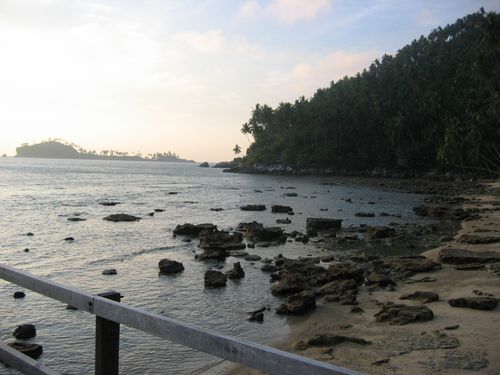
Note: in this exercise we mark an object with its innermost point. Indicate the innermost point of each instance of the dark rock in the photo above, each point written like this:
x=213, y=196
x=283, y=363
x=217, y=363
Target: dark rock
x=121, y=217
x=469, y=267
x=338, y=288
x=110, y=271
x=290, y=194
x=253, y=207
x=289, y=284
x=29, y=234
x=25, y=331
x=18, y=295
x=220, y=241
x=373, y=233
x=357, y=310
x=459, y=256
x=168, y=266
x=204, y=165
x=151, y=214
x=281, y=209
x=26, y=250
x=31, y=350
x=253, y=257
x=109, y=203
x=236, y=273
x=495, y=268
x=69, y=239
x=453, y=327
x=159, y=210
x=328, y=339
x=71, y=307
x=403, y=314
x=477, y=303
x=323, y=223
x=75, y=219
x=214, y=279
x=298, y=304
x=257, y=316
x=380, y=280
x=421, y=296
x=193, y=230
x=380, y=362
x=347, y=270
x=364, y=214
x=410, y=264
x=476, y=240
x=283, y=221
x=217, y=209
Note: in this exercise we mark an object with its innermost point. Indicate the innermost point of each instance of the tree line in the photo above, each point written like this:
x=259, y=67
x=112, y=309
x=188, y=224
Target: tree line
x=434, y=104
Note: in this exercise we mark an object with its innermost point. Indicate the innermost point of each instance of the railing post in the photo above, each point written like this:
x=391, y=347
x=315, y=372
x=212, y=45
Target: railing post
x=107, y=342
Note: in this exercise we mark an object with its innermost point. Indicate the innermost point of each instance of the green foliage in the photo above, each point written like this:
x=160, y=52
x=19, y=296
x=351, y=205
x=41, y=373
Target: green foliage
x=436, y=103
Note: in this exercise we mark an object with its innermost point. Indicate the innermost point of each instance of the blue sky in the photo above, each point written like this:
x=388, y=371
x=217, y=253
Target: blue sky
x=183, y=75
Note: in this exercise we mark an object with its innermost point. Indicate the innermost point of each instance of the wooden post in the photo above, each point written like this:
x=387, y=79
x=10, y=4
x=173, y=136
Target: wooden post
x=107, y=342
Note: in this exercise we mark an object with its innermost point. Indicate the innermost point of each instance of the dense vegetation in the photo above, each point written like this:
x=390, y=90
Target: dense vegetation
x=435, y=104
x=59, y=149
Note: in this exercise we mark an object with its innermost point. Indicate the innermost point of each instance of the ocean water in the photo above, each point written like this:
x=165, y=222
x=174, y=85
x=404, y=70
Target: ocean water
x=39, y=195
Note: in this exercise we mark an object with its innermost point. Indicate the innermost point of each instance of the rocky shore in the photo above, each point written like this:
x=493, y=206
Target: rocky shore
x=432, y=313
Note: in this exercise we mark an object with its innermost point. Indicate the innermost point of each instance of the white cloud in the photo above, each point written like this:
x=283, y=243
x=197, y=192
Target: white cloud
x=209, y=42
x=287, y=11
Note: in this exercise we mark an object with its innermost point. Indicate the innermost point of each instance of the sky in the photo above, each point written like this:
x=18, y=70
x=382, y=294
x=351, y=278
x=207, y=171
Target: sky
x=158, y=75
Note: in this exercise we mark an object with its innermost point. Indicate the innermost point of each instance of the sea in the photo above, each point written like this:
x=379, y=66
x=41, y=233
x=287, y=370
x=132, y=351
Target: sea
x=39, y=195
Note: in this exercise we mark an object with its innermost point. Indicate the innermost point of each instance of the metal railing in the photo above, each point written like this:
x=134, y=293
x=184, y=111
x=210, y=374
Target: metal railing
x=111, y=313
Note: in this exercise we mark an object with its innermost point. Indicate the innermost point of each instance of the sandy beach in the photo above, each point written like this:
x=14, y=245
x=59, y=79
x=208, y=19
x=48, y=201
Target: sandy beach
x=456, y=341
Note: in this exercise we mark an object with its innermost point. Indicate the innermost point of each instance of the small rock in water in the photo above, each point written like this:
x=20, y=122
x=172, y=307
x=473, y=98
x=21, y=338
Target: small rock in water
x=29, y=234
x=69, y=239
x=25, y=331
x=217, y=209
x=31, y=350
x=253, y=257
x=168, y=266
x=26, y=250
x=214, y=279
x=253, y=207
x=236, y=273
x=109, y=203
x=256, y=317
x=159, y=210
x=121, y=217
x=18, y=295
x=71, y=307
x=110, y=271
x=75, y=219
x=151, y=214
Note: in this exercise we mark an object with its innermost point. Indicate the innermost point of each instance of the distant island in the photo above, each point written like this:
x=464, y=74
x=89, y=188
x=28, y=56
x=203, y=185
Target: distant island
x=58, y=149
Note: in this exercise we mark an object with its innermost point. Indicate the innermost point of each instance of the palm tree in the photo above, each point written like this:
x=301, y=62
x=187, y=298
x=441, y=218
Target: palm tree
x=237, y=150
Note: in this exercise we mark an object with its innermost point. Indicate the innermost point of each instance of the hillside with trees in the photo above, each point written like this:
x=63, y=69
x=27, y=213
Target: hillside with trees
x=59, y=149
x=435, y=104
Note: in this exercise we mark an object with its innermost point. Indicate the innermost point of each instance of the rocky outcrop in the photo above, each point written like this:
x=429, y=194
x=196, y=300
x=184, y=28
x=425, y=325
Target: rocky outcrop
x=253, y=207
x=298, y=304
x=403, y=314
x=319, y=223
x=121, y=217
x=477, y=303
x=31, y=350
x=291, y=283
x=169, y=267
x=25, y=331
x=193, y=230
x=236, y=273
x=421, y=296
x=204, y=165
x=217, y=244
x=459, y=256
x=474, y=239
x=214, y=279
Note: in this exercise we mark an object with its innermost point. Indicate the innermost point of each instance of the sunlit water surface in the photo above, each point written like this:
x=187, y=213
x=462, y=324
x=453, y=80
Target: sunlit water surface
x=39, y=195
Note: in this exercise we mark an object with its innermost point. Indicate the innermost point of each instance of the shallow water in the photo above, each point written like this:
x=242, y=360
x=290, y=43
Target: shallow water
x=38, y=195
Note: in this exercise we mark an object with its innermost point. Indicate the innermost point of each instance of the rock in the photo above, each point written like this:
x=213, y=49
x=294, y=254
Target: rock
x=380, y=362
x=421, y=296
x=18, y=295
x=253, y=207
x=281, y=209
x=236, y=273
x=357, y=310
x=221, y=240
x=328, y=339
x=346, y=271
x=69, y=239
x=477, y=303
x=75, y=219
x=194, y=230
x=71, y=307
x=379, y=279
x=204, y=165
x=26, y=250
x=109, y=271
x=453, y=327
x=298, y=304
x=29, y=234
x=290, y=194
x=31, y=350
x=109, y=203
x=338, y=288
x=214, y=279
x=151, y=214
x=289, y=284
x=318, y=223
x=159, y=210
x=121, y=217
x=495, y=268
x=217, y=209
x=25, y=331
x=283, y=221
x=410, y=264
x=428, y=211
x=169, y=267
x=476, y=240
x=256, y=317
x=238, y=253
x=403, y=314
x=253, y=257
x=265, y=234
x=364, y=214
x=469, y=267
x=459, y=256
x=373, y=233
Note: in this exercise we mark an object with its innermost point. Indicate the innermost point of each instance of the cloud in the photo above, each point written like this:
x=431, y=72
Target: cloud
x=426, y=18
x=286, y=11
x=208, y=42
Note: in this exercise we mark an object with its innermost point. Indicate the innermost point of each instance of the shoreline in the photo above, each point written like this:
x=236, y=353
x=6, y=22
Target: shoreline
x=421, y=347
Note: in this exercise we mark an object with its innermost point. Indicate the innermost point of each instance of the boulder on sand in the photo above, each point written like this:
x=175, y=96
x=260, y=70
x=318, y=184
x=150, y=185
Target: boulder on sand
x=403, y=314
x=298, y=304
x=421, y=296
x=459, y=256
x=477, y=303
